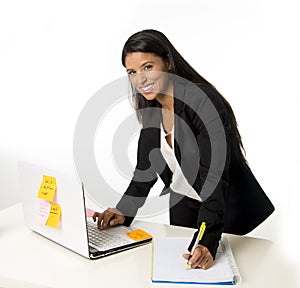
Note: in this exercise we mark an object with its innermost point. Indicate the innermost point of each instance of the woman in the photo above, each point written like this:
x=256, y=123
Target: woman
x=180, y=111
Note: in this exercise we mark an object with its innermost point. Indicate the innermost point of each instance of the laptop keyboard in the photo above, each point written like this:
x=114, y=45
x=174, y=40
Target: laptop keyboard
x=103, y=239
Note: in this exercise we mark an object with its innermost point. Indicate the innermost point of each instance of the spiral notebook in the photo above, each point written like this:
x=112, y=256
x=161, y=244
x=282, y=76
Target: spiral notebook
x=168, y=265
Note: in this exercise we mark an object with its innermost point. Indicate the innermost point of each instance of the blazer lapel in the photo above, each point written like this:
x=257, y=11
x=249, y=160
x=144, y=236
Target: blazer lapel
x=178, y=113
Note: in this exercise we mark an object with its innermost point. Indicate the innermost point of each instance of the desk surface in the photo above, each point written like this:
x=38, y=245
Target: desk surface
x=29, y=260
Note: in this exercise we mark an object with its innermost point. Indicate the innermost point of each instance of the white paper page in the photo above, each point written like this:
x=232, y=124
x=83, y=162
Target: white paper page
x=170, y=266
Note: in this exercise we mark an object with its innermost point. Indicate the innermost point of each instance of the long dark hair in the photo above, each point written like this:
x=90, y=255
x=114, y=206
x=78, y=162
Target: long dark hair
x=153, y=41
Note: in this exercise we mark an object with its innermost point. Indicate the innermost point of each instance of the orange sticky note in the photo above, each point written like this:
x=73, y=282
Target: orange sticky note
x=47, y=188
x=54, y=216
x=138, y=234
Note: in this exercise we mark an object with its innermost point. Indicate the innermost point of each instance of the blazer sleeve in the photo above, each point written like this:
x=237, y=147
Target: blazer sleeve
x=144, y=177
x=215, y=178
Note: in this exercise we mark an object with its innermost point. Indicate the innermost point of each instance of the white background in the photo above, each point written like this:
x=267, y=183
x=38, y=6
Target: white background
x=54, y=55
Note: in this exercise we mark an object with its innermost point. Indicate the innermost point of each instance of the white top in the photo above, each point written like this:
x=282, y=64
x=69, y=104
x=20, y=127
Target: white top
x=179, y=184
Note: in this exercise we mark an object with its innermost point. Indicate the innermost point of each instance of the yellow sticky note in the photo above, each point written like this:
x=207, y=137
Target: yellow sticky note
x=47, y=188
x=54, y=216
x=49, y=180
x=138, y=234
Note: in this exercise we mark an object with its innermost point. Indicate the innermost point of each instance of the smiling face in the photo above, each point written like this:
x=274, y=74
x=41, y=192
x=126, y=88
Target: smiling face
x=148, y=74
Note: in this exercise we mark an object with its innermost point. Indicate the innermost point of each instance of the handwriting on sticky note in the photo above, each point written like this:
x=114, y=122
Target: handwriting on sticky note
x=44, y=207
x=138, y=234
x=49, y=180
x=47, y=188
x=54, y=215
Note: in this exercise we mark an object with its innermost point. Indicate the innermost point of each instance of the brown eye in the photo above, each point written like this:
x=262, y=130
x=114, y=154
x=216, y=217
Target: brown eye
x=131, y=73
x=148, y=67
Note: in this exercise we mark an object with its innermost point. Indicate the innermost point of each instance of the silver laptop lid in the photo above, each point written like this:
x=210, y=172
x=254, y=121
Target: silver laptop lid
x=71, y=231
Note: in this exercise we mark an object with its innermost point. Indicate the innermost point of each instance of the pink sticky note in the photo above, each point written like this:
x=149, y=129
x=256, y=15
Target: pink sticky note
x=89, y=212
x=44, y=207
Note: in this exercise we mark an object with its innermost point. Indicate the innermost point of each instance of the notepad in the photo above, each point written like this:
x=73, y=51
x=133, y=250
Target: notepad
x=168, y=265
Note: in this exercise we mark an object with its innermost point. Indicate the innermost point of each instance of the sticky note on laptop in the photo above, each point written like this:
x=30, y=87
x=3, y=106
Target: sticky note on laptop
x=47, y=188
x=89, y=212
x=44, y=208
x=54, y=215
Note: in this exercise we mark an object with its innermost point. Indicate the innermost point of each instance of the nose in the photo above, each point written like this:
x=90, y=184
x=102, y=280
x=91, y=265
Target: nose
x=140, y=79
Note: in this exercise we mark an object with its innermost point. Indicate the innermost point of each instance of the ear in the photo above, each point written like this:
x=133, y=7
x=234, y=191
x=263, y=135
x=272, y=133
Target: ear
x=169, y=64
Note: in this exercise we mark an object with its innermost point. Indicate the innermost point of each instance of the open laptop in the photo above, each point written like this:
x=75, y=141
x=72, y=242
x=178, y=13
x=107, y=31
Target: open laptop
x=75, y=230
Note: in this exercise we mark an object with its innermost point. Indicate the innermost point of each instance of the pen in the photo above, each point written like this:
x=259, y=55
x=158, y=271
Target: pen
x=199, y=237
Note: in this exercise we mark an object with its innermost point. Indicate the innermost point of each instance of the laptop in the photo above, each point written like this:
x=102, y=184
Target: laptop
x=74, y=229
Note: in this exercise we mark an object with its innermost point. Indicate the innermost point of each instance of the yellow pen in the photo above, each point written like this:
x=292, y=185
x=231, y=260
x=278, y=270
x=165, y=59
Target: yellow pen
x=199, y=237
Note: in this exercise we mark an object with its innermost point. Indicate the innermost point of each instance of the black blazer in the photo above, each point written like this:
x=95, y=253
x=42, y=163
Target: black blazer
x=233, y=200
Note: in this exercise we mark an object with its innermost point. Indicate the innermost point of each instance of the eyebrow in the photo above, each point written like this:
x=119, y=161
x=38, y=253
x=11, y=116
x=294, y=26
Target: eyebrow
x=145, y=63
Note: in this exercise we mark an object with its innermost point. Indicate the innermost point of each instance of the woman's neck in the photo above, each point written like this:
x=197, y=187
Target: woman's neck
x=166, y=100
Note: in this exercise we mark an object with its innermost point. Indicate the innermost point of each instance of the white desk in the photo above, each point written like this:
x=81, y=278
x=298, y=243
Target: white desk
x=29, y=260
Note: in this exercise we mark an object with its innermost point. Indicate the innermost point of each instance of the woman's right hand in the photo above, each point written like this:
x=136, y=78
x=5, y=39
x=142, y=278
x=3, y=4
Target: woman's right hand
x=109, y=218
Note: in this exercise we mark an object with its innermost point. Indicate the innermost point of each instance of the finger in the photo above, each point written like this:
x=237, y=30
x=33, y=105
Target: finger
x=204, y=259
x=186, y=256
x=196, y=258
x=208, y=264
x=105, y=219
x=100, y=219
x=196, y=263
x=110, y=217
x=95, y=215
x=199, y=257
x=117, y=220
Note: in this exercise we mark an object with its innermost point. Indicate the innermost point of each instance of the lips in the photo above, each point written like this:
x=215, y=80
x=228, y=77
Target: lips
x=147, y=88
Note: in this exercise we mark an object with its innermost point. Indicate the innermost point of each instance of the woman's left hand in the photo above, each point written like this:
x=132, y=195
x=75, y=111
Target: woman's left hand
x=201, y=258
